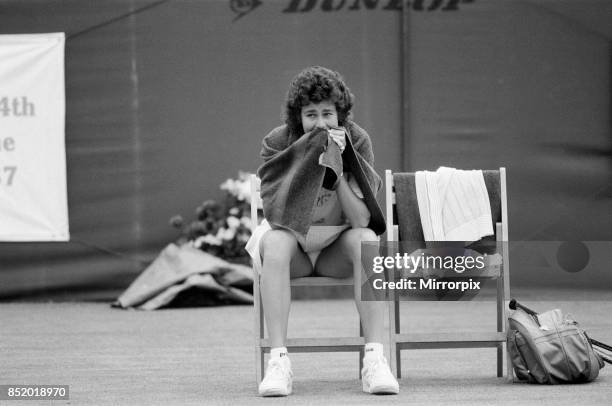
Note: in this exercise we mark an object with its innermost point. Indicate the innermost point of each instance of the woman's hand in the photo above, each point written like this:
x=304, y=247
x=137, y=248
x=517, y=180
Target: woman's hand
x=339, y=137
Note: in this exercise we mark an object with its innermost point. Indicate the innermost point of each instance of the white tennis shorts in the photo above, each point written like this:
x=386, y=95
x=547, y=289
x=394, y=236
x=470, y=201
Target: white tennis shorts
x=317, y=239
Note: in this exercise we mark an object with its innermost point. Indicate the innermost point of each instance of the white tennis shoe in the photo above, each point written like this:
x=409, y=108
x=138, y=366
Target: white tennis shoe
x=279, y=378
x=377, y=378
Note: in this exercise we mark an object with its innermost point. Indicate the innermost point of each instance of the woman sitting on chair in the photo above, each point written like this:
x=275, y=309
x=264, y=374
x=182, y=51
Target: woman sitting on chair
x=318, y=190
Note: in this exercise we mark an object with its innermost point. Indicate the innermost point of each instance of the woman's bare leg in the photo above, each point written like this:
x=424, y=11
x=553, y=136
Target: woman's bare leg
x=342, y=259
x=282, y=260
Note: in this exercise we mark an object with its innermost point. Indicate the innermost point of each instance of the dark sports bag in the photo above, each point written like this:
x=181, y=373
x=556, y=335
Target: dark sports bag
x=549, y=348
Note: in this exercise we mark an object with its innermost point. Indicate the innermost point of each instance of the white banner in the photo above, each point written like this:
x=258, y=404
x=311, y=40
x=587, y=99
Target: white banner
x=33, y=193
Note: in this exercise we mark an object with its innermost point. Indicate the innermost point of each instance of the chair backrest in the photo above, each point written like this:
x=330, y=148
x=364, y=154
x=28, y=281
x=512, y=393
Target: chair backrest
x=410, y=228
x=256, y=202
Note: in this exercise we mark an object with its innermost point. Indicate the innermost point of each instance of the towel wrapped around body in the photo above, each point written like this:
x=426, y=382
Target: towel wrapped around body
x=296, y=167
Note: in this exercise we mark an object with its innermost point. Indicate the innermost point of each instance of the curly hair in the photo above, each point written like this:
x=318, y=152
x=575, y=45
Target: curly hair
x=313, y=85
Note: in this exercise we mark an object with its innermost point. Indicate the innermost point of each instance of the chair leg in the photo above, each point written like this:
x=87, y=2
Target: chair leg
x=502, y=290
x=509, y=370
x=398, y=357
x=361, y=351
x=500, y=325
x=259, y=364
x=259, y=330
x=398, y=353
x=394, y=328
x=500, y=360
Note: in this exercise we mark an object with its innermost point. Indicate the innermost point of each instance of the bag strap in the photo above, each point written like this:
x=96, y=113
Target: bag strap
x=603, y=356
x=514, y=305
x=598, y=346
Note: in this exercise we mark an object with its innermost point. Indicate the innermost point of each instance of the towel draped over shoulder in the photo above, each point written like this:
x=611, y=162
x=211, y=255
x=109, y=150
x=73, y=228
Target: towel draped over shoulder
x=296, y=167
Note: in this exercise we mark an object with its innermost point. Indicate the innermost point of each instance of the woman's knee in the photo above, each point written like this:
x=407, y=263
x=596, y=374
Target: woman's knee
x=358, y=235
x=278, y=244
x=355, y=236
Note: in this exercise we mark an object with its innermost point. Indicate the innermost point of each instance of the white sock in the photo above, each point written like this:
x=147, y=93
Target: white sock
x=278, y=352
x=373, y=351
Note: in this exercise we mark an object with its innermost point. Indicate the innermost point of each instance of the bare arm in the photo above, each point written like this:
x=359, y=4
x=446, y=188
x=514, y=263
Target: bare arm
x=353, y=207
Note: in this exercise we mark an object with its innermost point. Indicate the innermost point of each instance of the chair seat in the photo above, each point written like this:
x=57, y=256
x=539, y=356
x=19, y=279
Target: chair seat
x=321, y=281
x=487, y=273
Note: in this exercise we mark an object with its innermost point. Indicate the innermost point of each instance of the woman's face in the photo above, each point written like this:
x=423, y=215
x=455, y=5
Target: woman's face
x=319, y=115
